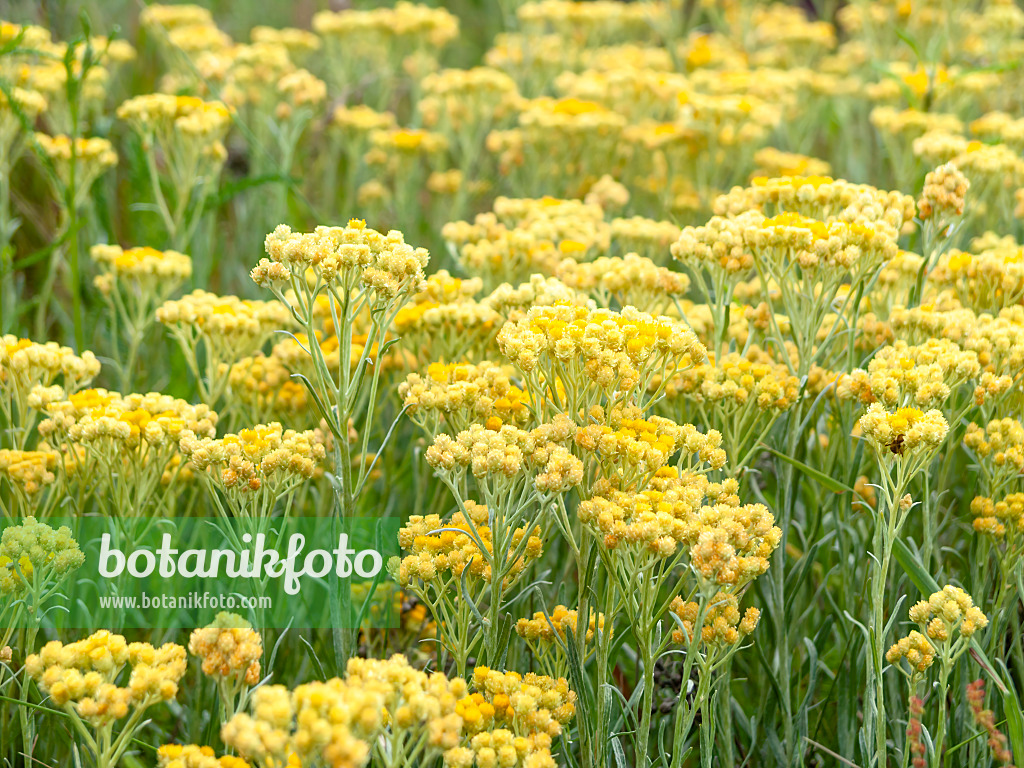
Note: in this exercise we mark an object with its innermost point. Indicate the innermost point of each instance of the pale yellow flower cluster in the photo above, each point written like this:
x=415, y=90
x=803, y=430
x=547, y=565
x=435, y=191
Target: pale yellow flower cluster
x=907, y=432
x=131, y=427
x=28, y=471
x=639, y=93
x=723, y=625
x=630, y=280
x=173, y=16
x=526, y=236
x=343, y=259
x=230, y=650
x=81, y=677
x=296, y=41
x=321, y=723
x=264, y=385
x=445, y=322
x=922, y=376
x=441, y=550
x=718, y=247
x=264, y=457
x=591, y=23
x=614, y=352
x=452, y=396
x=631, y=449
x=162, y=117
x=655, y=520
x=738, y=379
x=949, y=611
x=407, y=24
x=730, y=544
x=496, y=458
x=25, y=365
x=144, y=271
x=774, y=163
x=92, y=157
x=544, y=627
x=987, y=278
x=237, y=326
x=465, y=102
x=822, y=198
x=943, y=197
x=512, y=302
x=530, y=704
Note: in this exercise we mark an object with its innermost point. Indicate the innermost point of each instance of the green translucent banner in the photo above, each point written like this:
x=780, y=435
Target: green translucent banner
x=173, y=573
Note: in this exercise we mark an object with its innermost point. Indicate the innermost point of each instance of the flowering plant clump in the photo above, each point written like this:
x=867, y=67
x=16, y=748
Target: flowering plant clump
x=255, y=467
x=670, y=350
x=231, y=651
x=25, y=366
x=121, y=445
x=226, y=327
x=82, y=677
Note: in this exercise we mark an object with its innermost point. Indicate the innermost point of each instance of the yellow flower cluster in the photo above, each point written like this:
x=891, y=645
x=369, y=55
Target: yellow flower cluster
x=25, y=365
x=120, y=426
x=35, y=553
x=163, y=118
x=821, y=198
x=92, y=157
x=999, y=446
x=445, y=322
x=512, y=302
x=907, y=432
x=264, y=385
x=591, y=23
x=655, y=520
x=264, y=457
x=230, y=650
x=530, y=704
x=465, y=102
x=631, y=449
x=613, y=352
x=456, y=395
x=28, y=471
x=144, y=271
x=234, y=327
x=1003, y=521
x=730, y=544
x=229, y=328
x=437, y=548
x=630, y=280
x=544, y=627
x=193, y=756
x=922, y=376
x=945, y=190
x=947, y=619
x=915, y=649
x=81, y=677
x=498, y=459
x=988, y=277
x=723, y=624
x=738, y=379
x=523, y=236
x=343, y=258
x=321, y=723
x=406, y=24
x=773, y=163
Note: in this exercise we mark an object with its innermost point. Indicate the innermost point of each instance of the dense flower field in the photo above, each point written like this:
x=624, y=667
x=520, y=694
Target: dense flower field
x=683, y=338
